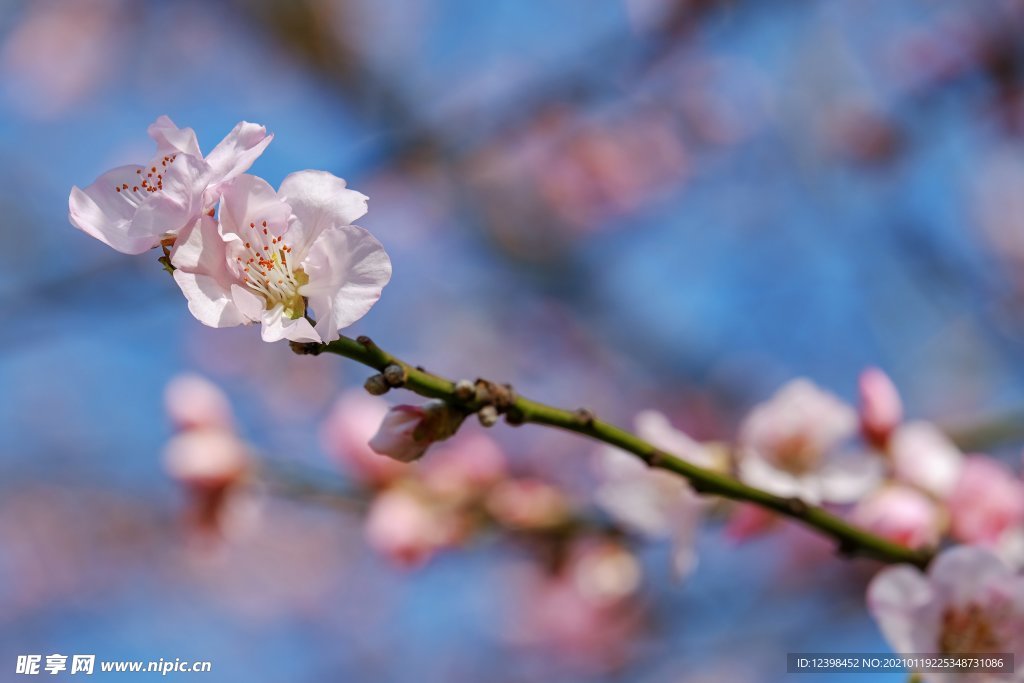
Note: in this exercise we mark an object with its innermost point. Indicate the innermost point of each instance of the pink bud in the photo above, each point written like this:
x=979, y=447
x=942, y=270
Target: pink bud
x=528, y=504
x=404, y=527
x=465, y=466
x=194, y=402
x=881, y=409
x=407, y=431
x=986, y=502
x=346, y=432
x=749, y=521
x=901, y=514
x=208, y=463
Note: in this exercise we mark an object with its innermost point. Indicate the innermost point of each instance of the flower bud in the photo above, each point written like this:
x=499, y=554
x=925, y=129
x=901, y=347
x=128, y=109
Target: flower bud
x=194, y=402
x=407, y=431
x=881, y=409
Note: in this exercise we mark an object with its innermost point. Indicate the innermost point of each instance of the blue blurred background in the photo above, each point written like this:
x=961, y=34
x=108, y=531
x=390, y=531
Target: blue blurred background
x=623, y=203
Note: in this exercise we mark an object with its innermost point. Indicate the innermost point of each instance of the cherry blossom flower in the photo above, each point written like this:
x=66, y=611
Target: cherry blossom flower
x=881, y=409
x=924, y=457
x=986, y=503
x=194, y=402
x=408, y=527
x=901, y=514
x=789, y=446
x=274, y=252
x=586, y=612
x=465, y=468
x=652, y=502
x=528, y=504
x=346, y=433
x=133, y=208
x=969, y=603
x=407, y=431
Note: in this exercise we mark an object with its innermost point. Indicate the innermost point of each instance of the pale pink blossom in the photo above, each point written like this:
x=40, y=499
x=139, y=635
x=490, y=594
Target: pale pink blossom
x=407, y=431
x=528, y=504
x=986, y=502
x=209, y=463
x=194, y=402
x=133, y=208
x=881, y=409
x=346, y=433
x=206, y=457
x=653, y=502
x=924, y=457
x=901, y=514
x=748, y=521
x=464, y=467
x=586, y=613
x=408, y=528
x=272, y=253
x=789, y=446
x=969, y=603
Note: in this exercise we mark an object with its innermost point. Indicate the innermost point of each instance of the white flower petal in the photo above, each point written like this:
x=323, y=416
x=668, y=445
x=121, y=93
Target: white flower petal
x=903, y=602
x=347, y=268
x=237, y=151
x=847, y=478
x=278, y=326
x=208, y=300
x=320, y=200
x=173, y=140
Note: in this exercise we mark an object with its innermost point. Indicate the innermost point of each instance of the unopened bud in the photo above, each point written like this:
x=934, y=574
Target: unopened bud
x=376, y=385
x=464, y=390
x=488, y=416
x=395, y=375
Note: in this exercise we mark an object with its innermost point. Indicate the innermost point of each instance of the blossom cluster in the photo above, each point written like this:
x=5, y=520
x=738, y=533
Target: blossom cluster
x=242, y=252
x=292, y=260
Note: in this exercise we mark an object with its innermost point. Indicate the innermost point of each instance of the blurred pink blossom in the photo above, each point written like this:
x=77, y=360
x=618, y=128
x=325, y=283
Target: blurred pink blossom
x=924, y=457
x=748, y=521
x=194, y=402
x=407, y=431
x=986, y=502
x=969, y=603
x=464, y=467
x=585, y=613
x=789, y=446
x=528, y=504
x=881, y=409
x=346, y=433
x=902, y=515
x=653, y=502
x=408, y=528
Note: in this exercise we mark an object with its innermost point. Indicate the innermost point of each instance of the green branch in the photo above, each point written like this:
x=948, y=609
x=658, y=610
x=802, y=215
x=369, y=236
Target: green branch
x=489, y=399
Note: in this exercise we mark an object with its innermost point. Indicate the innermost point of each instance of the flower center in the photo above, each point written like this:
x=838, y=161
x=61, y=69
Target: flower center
x=150, y=180
x=796, y=454
x=265, y=268
x=969, y=630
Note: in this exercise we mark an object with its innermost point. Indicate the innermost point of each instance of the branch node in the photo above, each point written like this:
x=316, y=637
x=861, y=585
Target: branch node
x=514, y=417
x=797, y=507
x=464, y=390
x=306, y=348
x=377, y=385
x=365, y=341
x=488, y=416
x=395, y=375
x=846, y=548
x=584, y=416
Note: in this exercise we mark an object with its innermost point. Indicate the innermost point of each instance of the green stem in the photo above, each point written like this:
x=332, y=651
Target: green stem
x=851, y=539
